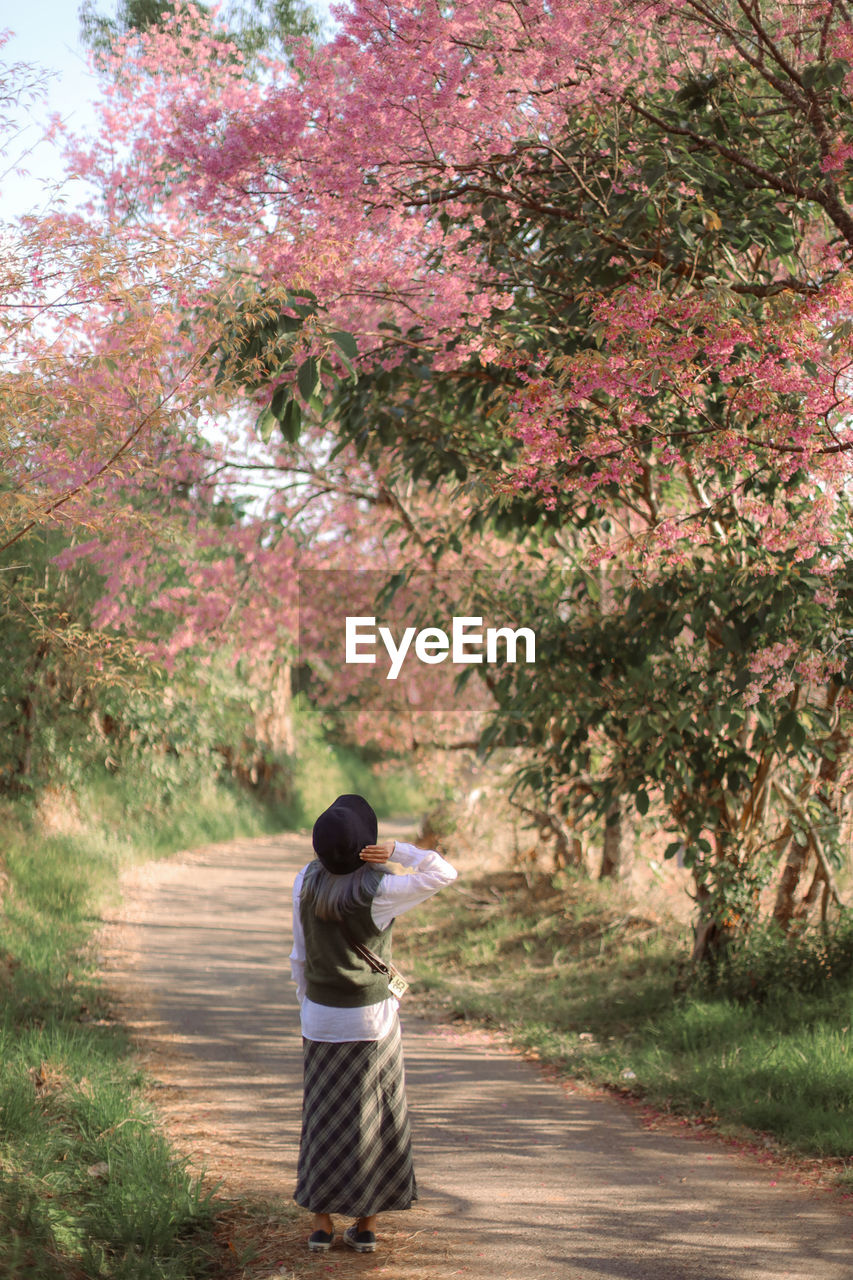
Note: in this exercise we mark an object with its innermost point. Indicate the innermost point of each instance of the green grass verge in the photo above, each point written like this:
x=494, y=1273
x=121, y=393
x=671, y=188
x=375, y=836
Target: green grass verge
x=89, y=1187
x=322, y=771
x=580, y=976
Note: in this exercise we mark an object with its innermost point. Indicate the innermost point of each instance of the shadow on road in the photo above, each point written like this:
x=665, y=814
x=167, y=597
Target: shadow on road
x=518, y=1178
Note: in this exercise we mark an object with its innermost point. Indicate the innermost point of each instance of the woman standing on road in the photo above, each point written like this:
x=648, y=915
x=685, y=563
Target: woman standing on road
x=355, y=1152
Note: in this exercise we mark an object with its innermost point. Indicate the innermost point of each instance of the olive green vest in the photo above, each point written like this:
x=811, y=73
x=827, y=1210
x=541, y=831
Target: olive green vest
x=334, y=974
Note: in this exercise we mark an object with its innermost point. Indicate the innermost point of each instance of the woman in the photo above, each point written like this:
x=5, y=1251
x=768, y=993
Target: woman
x=355, y=1152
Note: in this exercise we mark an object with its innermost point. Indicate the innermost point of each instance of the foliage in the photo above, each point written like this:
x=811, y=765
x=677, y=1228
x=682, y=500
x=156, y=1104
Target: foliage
x=676, y=689
x=660, y=292
x=76, y=699
x=263, y=26
x=326, y=765
x=589, y=980
x=51, y=667
x=596, y=265
x=88, y=1184
x=771, y=966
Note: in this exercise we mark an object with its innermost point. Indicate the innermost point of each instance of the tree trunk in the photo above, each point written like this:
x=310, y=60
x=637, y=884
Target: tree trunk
x=274, y=718
x=717, y=924
x=785, y=907
x=568, y=847
x=28, y=733
x=612, y=856
x=706, y=927
x=28, y=723
x=711, y=938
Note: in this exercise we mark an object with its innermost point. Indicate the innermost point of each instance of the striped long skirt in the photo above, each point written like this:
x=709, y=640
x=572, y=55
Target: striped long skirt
x=355, y=1153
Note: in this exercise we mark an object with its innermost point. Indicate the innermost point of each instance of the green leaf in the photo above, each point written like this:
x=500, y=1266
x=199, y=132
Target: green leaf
x=308, y=378
x=823, y=75
x=290, y=324
x=689, y=856
x=348, y=365
x=462, y=679
x=264, y=424
x=291, y=421
x=281, y=398
x=345, y=342
x=641, y=800
x=836, y=72
x=791, y=730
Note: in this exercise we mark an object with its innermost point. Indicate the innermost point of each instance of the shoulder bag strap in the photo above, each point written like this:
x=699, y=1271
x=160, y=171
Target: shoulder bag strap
x=377, y=964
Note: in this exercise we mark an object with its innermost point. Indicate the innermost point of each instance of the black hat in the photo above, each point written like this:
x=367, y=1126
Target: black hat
x=342, y=831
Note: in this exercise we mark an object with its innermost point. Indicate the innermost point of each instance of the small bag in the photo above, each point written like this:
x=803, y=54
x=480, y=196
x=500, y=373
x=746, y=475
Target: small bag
x=397, y=984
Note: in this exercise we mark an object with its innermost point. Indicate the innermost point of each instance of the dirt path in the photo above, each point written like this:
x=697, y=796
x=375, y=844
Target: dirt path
x=520, y=1178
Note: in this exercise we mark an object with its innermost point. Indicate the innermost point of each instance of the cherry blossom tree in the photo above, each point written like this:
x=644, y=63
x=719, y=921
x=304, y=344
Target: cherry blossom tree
x=678, y=301
x=619, y=233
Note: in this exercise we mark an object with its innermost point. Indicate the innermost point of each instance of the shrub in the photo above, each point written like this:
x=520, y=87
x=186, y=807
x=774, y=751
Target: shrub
x=770, y=963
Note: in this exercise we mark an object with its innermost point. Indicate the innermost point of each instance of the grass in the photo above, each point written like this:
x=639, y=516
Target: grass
x=322, y=771
x=89, y=1186
x=582, y=978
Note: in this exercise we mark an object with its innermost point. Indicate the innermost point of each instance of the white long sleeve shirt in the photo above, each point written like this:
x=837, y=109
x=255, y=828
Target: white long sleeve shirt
x=396, y=895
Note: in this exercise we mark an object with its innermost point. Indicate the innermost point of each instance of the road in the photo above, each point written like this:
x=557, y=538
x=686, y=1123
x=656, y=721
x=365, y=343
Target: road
x=520, y=1177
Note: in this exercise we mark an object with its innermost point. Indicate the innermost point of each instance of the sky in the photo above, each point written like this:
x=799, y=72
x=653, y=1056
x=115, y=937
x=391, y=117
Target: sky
x=46, y=33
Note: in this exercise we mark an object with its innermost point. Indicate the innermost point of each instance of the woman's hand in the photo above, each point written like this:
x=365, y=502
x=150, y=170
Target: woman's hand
x=378, y=852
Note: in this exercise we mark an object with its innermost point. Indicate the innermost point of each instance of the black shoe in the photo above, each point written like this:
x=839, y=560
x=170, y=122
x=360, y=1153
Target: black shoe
x=361, y=1241
x=320, y=1241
